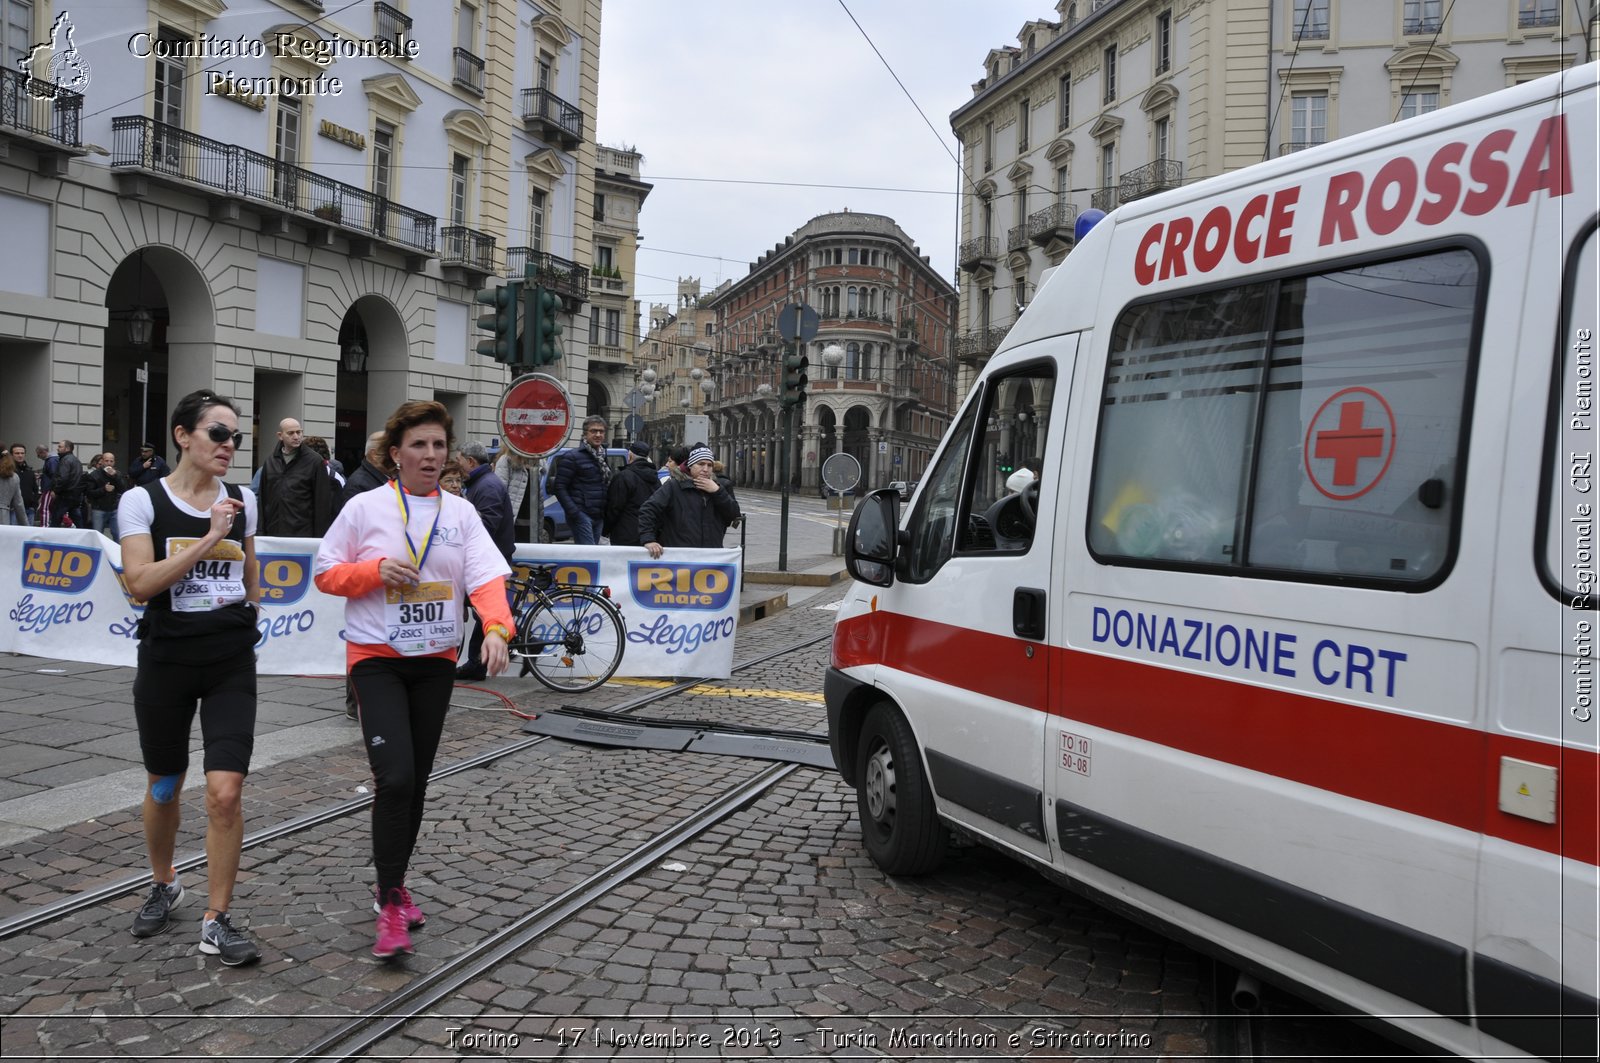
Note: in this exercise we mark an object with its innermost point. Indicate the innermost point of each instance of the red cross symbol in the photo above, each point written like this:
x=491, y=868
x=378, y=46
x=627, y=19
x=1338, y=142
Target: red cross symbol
x=1350, y=440
x=1349, y=443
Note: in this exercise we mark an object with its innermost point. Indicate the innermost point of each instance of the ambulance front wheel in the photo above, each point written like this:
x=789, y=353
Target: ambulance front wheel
x=899, y=825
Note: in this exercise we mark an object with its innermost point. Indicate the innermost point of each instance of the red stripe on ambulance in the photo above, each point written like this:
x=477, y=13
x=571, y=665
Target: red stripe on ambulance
x=1418, y=766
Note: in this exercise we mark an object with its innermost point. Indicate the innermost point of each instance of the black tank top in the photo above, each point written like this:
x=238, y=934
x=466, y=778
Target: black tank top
x=194, y=629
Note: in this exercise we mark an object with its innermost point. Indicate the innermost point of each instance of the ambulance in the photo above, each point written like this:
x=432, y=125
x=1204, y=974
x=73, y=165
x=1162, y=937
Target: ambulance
x=1288, y=650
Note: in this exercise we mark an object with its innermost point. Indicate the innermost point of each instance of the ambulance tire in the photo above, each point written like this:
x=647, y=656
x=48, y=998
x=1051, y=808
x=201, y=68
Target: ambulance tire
x=899, y=823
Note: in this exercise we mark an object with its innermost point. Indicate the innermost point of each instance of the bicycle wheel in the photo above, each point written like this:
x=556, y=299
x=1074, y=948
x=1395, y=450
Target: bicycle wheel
x=571, y=639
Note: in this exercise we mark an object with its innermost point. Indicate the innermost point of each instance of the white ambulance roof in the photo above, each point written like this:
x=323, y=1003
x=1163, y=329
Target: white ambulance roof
x=1070, y=296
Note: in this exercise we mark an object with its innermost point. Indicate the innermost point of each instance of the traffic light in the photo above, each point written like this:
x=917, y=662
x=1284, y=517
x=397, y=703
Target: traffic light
x=544, y=328
x=502, y=322
x=794, y=377
x=1003, y=462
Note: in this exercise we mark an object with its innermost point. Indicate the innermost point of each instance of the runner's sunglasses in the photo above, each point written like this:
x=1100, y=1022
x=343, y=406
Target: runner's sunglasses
x=221, y=434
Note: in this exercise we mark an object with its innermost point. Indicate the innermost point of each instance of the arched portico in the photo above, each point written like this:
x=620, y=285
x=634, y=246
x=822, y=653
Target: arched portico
x=159, y=344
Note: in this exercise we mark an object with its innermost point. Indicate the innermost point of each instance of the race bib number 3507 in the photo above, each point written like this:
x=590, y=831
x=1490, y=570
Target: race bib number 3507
x=213, y=581
x=421, y=619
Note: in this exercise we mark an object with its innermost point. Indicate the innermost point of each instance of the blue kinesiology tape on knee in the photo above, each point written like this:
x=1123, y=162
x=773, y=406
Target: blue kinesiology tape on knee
x=164, y=789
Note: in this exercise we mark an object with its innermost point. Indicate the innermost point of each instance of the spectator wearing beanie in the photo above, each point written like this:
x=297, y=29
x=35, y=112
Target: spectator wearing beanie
x=692, y=512
x=630, y=489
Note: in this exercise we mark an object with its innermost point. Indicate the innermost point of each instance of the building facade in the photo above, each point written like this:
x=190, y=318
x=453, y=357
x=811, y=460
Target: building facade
x=671, y=371
x=1119, y=99
x=879, y=363
x=613, y=309
x=290, y=202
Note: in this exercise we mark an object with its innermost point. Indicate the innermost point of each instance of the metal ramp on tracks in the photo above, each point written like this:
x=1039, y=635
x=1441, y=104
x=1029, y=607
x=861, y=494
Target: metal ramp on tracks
x=601, y=728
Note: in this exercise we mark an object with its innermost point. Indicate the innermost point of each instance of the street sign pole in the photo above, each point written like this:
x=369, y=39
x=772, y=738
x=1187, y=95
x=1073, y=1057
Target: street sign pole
x=797, y=324
x=783, y=464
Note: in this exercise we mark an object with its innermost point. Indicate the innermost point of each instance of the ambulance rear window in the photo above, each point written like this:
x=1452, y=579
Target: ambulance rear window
x=1307, y=426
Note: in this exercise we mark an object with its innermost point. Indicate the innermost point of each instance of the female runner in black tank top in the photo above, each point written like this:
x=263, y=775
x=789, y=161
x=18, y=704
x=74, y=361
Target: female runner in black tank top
x=188, y=551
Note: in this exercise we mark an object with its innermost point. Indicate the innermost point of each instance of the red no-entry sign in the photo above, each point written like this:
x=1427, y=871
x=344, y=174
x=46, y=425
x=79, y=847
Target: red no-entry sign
x=535, y=415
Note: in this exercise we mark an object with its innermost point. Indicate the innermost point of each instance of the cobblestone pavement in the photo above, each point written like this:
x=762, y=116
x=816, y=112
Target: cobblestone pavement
x=770, y=934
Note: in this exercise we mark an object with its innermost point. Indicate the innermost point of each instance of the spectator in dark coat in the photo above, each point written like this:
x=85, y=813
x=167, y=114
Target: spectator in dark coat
x=371, y=472
x=630, y=489
x=30, y=482
x=66, y=486
x=149, y=468
x=488, y=495
x=298, y=496
x=581, y=481
x=693, y=512
x=107, y=485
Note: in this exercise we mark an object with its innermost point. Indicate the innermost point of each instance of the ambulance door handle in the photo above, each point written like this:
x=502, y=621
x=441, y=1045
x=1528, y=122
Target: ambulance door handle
x=1027, y=613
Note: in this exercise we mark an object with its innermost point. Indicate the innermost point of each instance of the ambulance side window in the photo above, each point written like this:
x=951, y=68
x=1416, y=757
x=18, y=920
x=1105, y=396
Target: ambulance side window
x=1010, y=449
x=932, y=524
x=1308, y=426
x=1569, y=521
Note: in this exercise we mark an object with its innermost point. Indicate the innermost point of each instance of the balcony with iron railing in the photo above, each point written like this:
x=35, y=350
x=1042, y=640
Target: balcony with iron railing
x=1147, y=180
x=1531, y=19
x=1104, y=199
x=143, y=148
x=466, y=249
x=558, y=274
x=469, y=71
x=391, y=26
x=553, y=118
x=974, y=345
x=1417, y=27
x=41, y=112
x=1017, y=238
x=1314, y=30
x=1054, y=222
x=1289, y=147
x=978, y=253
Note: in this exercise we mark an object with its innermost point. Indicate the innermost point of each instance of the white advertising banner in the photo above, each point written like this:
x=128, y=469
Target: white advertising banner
x=680, y=612
x=64, y=598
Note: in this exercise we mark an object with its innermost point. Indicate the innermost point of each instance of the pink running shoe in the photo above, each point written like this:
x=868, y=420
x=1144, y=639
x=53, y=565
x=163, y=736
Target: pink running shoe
x=414, y=916
x=394, y=939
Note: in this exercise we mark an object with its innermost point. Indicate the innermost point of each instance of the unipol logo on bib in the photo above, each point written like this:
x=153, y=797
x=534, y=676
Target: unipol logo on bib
x=421, y=619
x=213, y=581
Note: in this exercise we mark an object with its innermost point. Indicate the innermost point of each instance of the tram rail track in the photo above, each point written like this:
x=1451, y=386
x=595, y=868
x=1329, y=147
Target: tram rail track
x=84, y=900
x=389, y=1015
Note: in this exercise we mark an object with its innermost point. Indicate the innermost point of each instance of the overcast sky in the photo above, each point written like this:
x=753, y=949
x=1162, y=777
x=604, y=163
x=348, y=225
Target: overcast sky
x=718, y=95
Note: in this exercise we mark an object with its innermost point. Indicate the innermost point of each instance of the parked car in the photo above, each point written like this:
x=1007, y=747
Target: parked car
x=555, y=528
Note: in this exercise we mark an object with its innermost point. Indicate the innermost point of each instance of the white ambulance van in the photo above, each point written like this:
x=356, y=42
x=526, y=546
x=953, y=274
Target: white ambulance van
x=1289, y=649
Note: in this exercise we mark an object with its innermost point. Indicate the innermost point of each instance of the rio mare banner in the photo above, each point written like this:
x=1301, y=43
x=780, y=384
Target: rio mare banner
x=65, y=599
x=680, y=612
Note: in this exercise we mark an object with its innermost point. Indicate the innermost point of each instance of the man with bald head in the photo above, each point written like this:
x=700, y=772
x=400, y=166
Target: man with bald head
x=297, y=494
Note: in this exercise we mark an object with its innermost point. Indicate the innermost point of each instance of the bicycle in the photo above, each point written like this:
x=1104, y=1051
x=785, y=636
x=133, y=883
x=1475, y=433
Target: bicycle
x=570, y=638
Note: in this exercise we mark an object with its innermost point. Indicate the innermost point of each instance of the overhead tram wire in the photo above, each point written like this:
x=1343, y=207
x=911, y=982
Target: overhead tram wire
x=1438, y=29
x=1288, y=76
x=936, y=134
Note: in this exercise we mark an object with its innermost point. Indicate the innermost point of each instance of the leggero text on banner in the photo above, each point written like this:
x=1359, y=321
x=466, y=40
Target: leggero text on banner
x=66, y=600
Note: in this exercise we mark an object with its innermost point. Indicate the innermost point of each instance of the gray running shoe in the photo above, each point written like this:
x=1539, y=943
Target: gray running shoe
x=156, y=914
x=219, y=938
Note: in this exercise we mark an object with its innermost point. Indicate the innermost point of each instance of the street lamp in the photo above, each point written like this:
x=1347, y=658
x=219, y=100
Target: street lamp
x=354, y=358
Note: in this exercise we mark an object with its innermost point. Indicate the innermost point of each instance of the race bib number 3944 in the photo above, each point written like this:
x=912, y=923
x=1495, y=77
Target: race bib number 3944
x=213, y=580
x=421, y=619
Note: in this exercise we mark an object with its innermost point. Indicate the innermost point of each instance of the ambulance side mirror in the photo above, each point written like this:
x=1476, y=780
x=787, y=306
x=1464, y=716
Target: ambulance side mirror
x=871, y=541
